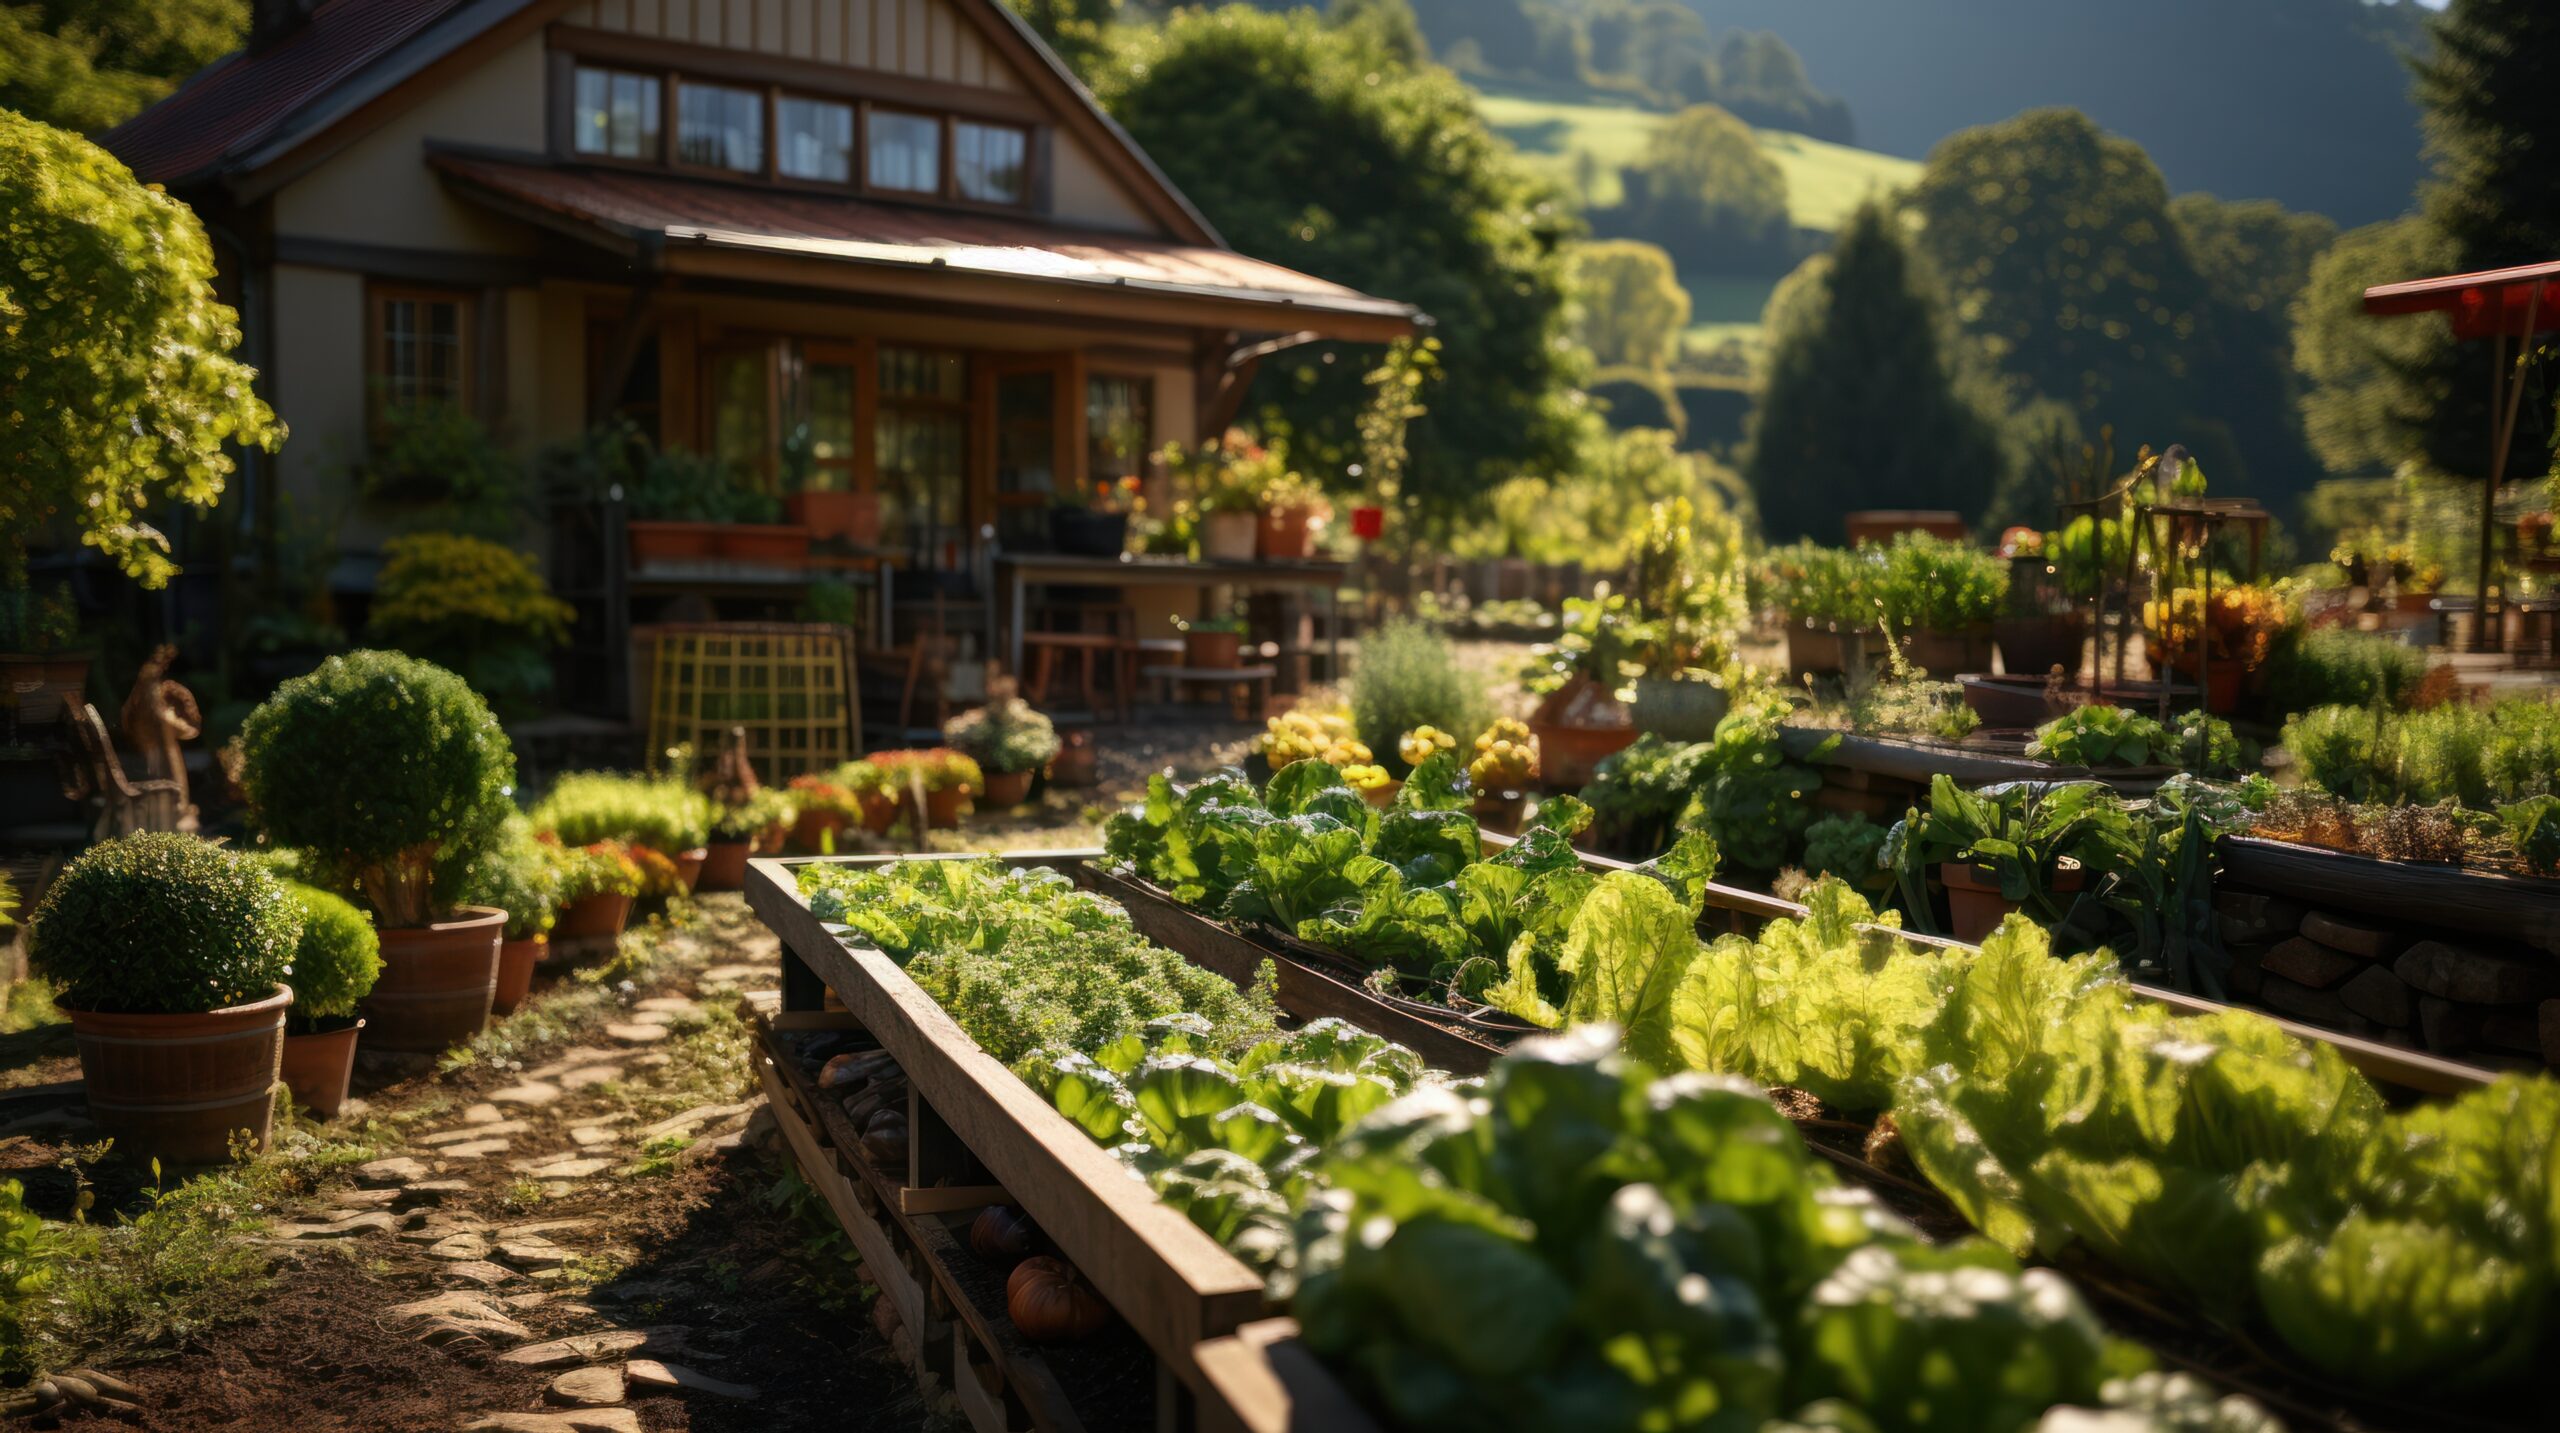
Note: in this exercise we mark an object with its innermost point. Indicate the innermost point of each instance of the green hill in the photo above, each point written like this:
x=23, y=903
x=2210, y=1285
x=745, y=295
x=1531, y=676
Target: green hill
x=1824, y=181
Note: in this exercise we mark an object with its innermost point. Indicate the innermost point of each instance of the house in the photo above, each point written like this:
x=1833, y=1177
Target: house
x=889, y=247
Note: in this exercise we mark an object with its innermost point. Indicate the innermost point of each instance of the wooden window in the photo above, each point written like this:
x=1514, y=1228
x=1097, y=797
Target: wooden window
x=740, y=394
x=991, y=162
x=813, y=139
x=922, y=443
x=421, y=347
x=1119, y=425
x=905, y=151
x=616, y=114
x=720, y=127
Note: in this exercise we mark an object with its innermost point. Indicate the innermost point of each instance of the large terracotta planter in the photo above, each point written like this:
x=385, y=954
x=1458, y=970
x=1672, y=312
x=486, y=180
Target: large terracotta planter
x=672, y=541
x=942, y=808
x=767, y=544
x=811, y=833
x=689, y=866
x=2221, y=684
x=1230, y=536
x=724, y=866
x=176, y=1088
x=1975, y=906
x=1212, y=651
x=437, y=981
x=516, y=962
x=854, y=517
x=1577, y=727
x=1287, y=534
x=1943, y=654
x=1008, y=789
x=319, y=1066
x=595, y=917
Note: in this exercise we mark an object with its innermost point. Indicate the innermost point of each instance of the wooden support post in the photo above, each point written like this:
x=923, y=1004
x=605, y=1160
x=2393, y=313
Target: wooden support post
x=801, y=987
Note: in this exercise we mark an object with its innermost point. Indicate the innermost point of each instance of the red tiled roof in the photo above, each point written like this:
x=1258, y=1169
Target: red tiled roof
x=682, y=211
x=244, y=97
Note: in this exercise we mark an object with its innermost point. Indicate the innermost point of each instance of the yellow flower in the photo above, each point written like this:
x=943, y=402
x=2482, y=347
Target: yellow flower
x=1364, y=778
x=1421, y=742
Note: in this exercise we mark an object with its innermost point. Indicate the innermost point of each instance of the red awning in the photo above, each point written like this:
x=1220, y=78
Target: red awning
x=2481, y=304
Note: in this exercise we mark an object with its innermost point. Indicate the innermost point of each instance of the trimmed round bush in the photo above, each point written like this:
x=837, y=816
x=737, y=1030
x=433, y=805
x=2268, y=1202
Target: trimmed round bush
x=164, y=924
x=386, y=772
x=339, y=957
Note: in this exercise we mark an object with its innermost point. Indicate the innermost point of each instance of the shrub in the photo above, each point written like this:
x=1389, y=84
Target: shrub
x=2483, y=757
x=1932, y=584
x=1004, y=736
x=662, y=814
x=390, y=774
x=338, y=959
x=605, y=868
x=1409, y=677
x=940, y=768
x=760, y=812
x=2332, y=667
x=474, y=607
x=160, y=923
x=520, y=874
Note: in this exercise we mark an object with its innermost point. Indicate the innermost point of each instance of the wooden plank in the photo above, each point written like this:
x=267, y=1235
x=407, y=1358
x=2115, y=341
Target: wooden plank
x=950, y=1199
x=1265, y=1381
x=1915, y=763
x=2476, y=902
x=818, y=1166
x=1173, y=1284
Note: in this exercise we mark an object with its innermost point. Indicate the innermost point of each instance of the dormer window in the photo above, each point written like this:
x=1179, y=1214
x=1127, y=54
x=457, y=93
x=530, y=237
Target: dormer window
x=720, y=127
x=990, y=162
x=617, y=114
x=813, y=139
x=906, y=152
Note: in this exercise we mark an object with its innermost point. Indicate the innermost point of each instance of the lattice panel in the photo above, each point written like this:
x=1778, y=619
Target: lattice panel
x=792, y=686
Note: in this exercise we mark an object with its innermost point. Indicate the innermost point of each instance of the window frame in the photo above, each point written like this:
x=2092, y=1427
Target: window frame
x=664, y=79
x=760, y=95
x=378, y=296
x=855, y=137
x=951, y=124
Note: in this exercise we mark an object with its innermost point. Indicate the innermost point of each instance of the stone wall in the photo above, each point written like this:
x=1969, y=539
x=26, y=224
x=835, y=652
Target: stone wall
x=2451, y=994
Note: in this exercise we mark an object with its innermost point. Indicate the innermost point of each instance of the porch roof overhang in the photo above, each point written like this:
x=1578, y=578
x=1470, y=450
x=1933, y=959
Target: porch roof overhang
x=2516, y=302
x=715, y=230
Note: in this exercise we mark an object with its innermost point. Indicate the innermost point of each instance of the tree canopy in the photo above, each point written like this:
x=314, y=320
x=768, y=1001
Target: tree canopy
x=90, y=64
x=1629, y=308
x=2356, y=371
x=1706, y=192
x=1312, y=146
x=1862, y=406
x=118, y=391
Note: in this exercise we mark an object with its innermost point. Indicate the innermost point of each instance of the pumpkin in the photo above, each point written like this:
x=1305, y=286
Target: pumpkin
x=1003, y=1234
x=884, y=1140
x=1050, y=1303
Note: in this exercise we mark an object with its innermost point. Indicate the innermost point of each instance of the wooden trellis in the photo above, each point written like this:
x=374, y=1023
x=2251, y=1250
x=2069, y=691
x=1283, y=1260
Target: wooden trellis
x=792, y=686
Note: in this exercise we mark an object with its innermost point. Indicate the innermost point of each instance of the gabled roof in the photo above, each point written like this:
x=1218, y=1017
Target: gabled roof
x=255, y=107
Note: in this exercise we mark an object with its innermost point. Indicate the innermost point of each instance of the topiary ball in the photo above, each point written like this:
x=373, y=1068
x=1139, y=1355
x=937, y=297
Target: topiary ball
x=164, y=924
x=338, y=959
x=383, y=770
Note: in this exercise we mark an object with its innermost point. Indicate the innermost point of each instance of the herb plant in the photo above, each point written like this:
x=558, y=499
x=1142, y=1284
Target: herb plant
x=1005, y=735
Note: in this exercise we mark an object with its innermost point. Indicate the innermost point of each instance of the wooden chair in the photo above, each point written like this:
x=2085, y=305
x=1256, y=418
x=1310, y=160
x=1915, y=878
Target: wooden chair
x=1105, y=668
x=125, y=806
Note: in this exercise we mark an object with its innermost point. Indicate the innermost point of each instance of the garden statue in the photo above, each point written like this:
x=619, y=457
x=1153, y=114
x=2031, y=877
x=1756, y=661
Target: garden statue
x=733, y=775
x=159, y=714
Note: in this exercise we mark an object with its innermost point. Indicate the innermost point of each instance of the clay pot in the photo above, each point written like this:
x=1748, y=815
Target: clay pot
x=1577, y=727
x=880, y=812
x=1008, y=789
x=766, y=544
x=1211, y=651
x=1975, y=906
x=595, y=917
x=319, y=1066
x=1943, y=654
x=942, y=808
x=1077, y=762
x=437, y=981
x=812, y=832
x=724, y=866
x=1383, y=796
x=1230, y=536
x=177, y=1087
x=672, y=541
x=2221, y=684
x=689, y=866
x=1286, y=534
x=516, y=962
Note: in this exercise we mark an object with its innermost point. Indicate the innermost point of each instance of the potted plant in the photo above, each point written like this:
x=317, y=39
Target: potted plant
x=823, y=809
x=171, y=956
x=1372, y=782
x=1939, y=597
x=945, y=778
x=1689, y=603
x=1078, y=763
x=598, y=883
x=2015, y=847
x=1226, y=485
x=1827, y=599
x=334, y=967
x=822, y=500
x=526, y=877
x=1293, y=507
x=655, y=813
x=1504, y=767
x=1009, y=741
x=684, y=508
x=39, y=670
x=1099, y=526
x=390, y=776
x=2237, y=634
x=735, y=832
x=1212, y=644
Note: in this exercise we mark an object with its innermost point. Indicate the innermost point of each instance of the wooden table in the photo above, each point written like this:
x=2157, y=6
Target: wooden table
x=1255, y=681
x=1017, y=572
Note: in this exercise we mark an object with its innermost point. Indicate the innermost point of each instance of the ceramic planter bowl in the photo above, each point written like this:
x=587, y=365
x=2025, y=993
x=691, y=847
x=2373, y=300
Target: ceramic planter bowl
x=177, y=1088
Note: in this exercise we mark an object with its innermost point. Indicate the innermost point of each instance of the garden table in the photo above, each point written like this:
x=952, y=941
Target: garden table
x=1018, y=572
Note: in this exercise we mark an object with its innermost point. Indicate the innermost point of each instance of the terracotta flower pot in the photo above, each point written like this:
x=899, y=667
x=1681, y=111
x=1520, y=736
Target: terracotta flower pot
x=1078, y=762
x=2221, y=684
x=600, y=916
x=1382, y=796
x=942, y=808
x=319, y=1066
x=769, y=544
x=1008, y=789
x=880, y=812
x=724, y=866
x=672, y=541
x=1211, y=651
x=689, y=866
x=816, y=832
x=1287, y=534
x=1975, y=906
x=516, y=962
x=1230, y=536
x=855, y=517
x=177, y=1087
x=437, y=981
x=1577, y=727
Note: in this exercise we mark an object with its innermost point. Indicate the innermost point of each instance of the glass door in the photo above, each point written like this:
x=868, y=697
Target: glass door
x=1035, y=466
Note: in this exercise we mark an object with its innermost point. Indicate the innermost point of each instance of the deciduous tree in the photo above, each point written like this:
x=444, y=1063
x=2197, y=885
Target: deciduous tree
x=1629, y=306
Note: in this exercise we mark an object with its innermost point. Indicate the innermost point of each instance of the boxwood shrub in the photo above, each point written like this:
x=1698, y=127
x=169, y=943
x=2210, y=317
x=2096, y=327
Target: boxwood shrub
x=338, y=959
x=165, y=924
x=388, y=773
x=664, y=815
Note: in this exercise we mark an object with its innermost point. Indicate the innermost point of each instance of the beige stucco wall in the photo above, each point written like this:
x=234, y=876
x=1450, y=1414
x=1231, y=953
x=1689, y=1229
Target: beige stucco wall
x=379, y=191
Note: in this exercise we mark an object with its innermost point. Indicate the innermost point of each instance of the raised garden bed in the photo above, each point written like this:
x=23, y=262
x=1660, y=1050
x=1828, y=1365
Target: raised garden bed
x=974, y=1122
